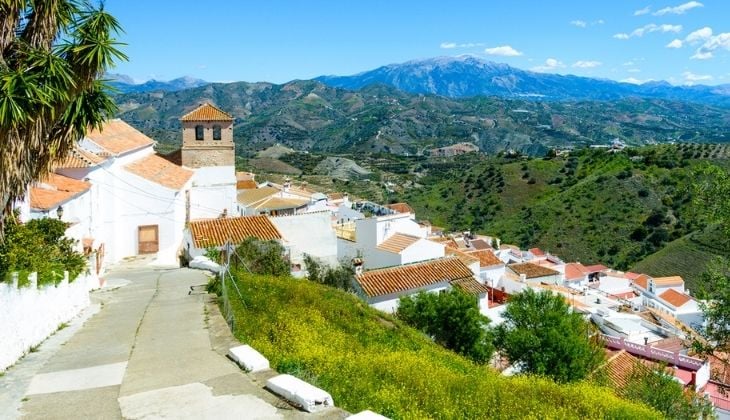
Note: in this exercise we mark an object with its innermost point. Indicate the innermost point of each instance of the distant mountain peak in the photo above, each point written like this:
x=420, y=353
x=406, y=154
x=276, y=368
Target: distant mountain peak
x=126, y=84
x=469, y=75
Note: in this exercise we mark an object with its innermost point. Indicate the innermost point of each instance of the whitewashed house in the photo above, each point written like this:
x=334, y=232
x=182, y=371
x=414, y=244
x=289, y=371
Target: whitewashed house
x=308, y=233
x=370, y=240
x=535, y=274
x=384, y=287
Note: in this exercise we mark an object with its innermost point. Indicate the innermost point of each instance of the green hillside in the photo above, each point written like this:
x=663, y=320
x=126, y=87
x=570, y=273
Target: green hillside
x=368, y=360
x=307, y=115
x=687, y=256
x=590, y=206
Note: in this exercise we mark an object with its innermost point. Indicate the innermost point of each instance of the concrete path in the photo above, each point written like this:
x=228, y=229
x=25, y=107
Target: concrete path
x=147, y=350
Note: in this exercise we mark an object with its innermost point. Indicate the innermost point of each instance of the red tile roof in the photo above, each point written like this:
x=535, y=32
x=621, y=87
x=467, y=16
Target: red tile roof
x=401, y=208
x=56, y=190
x=160, y=171
x=486, y=258
x=480, y=244
x=675, y=298
x=246, y=185
x=532, y=271
x=216, y=232
x=470, y=286
x=575, y=271
x=79, y=158
x=398, y=242
x=596, y=268
x=642, y=281
x=620, y=367
x=385, y=281
x=466, y=258
x=537, y=252
x=668, y=281
x=117, y=137
x=207, y=112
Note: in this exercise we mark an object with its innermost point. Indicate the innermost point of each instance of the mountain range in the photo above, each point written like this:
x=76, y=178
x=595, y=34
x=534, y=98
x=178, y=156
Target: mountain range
x=467, y=76
x=125, y=84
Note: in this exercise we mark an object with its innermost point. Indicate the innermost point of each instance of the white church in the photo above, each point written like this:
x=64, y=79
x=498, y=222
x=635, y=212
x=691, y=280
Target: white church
x=121, y=199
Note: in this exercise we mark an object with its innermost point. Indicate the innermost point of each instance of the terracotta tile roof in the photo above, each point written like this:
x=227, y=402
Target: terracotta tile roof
x=401, y=208
x=279, y=203
x=532, y=271
x=160, y=171
x=117, y=137
x=631, y=276
x=245, y=176
x=216, y=232
x=642, y=281
x=596, y=268
x=486, y=258
x=620, y=367
x=79, y=158
x=207, y=112
x=470, y=286
x=480, y=244
x=575, y=271
x=673, y=344
x=249, y=184
x=408, y=277
x=465, y=257
x=335, y=196
x=55, y=190
x=508, y=246
x=668, y=281
x=675, y=298
x=251, y=197
x=397, y=243
x=537, y=252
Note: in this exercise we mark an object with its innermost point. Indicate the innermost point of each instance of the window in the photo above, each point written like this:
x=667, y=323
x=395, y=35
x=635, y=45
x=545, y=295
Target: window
x=216, y=132
x=199, y=132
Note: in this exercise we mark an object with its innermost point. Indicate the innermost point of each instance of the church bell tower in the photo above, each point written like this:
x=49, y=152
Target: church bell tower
x=207, y=138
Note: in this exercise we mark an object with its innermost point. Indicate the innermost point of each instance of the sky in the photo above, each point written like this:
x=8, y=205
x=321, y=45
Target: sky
x=683, y=42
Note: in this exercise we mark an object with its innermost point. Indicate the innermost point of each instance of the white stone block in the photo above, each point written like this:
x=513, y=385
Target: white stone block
x=300, y=393
x=367, y=415
x=248, y=358
x=202, y=262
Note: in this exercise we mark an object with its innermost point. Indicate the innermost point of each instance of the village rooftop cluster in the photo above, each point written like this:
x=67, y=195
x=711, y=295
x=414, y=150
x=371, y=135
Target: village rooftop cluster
x=121, y=199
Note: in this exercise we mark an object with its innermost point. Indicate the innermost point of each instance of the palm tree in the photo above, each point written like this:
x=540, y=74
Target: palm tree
x=52, y=55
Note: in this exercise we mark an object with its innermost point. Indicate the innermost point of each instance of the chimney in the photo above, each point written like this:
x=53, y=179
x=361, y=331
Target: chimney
x=287, y=184
x=523, y=278
x=357, y=264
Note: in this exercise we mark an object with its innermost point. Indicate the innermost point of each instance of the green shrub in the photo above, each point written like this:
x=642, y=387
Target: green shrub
x=263, y=257
x=39, y=246
x=368, y=360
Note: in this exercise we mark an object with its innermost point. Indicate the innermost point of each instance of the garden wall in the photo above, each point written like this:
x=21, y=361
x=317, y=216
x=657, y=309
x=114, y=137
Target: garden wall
x=29, y=314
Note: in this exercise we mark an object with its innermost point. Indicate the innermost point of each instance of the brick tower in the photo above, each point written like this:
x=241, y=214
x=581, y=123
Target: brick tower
x=207, y=138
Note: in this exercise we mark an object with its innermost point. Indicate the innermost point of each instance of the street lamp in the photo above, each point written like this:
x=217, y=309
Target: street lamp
x=59, y=212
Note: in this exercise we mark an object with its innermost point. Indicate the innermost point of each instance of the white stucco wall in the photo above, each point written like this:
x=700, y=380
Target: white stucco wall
x=308, y=233
x=421, y=251
x=389, y=303
x=376, y=258
x=213, y=191
x=30, y=314
x=491, y=275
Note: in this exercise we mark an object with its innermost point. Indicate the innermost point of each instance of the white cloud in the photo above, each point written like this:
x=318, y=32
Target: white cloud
x=628, y=63
x=451, y=45
x=642, y=11
x=691, y=78
x=647, y=29
x=634, y=70
x=503, y=50
x=599, y=22
x=632, y=80
x=550, y=64
x=586, y=64
x=711, y=44
x=699, y=35
x=700, y=55
x=678, y=10
x=579, y=23
x=677, y=43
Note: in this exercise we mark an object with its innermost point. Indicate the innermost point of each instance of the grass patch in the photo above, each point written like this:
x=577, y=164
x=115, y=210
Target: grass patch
x=368, y=360
x=35, y=349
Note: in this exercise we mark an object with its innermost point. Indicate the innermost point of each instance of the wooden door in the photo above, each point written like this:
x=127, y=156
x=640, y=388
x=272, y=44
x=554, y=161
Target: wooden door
x=149, y=239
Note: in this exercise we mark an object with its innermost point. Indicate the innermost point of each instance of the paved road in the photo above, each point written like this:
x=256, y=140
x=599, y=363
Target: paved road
x=146, y=350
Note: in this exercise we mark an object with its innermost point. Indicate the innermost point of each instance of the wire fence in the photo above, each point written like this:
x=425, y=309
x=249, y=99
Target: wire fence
x=228, y=280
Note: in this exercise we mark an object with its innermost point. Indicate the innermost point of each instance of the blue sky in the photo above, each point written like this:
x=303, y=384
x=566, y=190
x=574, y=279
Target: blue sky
x=684, y=42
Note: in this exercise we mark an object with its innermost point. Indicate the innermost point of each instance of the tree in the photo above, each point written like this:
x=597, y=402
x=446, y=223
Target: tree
x=452, y=319
x=542, y=336
x=340, y=277
x=52, y=54
x=263, y=257
x=658, y=389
